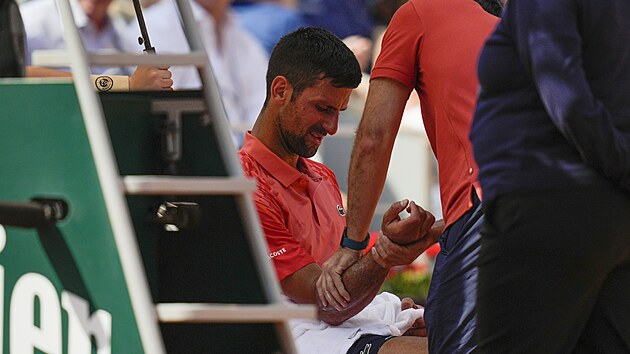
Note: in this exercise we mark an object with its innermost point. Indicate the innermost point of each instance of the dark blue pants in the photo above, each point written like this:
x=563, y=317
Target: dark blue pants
x=554, y=273
x=450, y=311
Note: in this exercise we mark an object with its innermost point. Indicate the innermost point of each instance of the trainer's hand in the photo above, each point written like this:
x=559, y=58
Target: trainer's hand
x=387, y=253
x=419, y=328
x=151, y=78
x=409, y=229
x=330, y=288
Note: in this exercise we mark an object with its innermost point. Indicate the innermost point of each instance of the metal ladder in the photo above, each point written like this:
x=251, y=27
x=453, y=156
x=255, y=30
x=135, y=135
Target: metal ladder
x=116, y=187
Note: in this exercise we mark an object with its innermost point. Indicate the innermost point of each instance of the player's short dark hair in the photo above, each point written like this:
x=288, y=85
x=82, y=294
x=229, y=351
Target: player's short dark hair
x=309, y=54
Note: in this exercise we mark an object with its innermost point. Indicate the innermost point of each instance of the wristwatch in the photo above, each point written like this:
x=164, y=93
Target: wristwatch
x=352, y=244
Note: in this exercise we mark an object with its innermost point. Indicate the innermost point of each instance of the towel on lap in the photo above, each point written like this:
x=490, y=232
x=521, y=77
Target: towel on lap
x=382, y=316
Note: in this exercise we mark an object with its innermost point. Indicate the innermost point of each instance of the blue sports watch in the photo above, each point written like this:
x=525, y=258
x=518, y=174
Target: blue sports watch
x=352, y=244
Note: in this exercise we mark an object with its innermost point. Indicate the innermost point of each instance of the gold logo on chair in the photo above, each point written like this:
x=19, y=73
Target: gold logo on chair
x=104, y=83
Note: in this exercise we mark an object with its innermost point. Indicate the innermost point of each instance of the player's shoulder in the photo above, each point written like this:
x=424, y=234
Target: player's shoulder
x=320, y=169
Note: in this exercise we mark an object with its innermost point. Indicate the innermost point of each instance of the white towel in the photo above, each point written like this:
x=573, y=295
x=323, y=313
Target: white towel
x=382, y=316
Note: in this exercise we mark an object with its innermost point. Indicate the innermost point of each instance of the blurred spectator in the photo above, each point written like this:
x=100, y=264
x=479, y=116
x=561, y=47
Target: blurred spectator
x=268, y=20
x=383, y=10
x=98, y=30
x=238, y=61
x=126, y=10
x=350, y=20
x=344, y=18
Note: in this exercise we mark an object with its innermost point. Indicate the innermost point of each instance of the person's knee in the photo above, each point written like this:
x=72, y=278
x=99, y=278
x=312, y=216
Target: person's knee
x=404, y=345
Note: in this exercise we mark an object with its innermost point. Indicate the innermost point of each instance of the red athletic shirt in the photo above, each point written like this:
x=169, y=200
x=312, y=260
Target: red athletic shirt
x=301, y=212
x=433, y=46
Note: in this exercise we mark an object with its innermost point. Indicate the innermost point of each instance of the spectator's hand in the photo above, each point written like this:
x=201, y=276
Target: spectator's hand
x=151, y=78
x=362, y=49
x=410, y=229
x=418, y=329
x=330, y=288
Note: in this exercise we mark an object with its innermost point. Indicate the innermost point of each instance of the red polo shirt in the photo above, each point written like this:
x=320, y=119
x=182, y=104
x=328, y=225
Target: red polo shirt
x=300, y=211
x=433, y=47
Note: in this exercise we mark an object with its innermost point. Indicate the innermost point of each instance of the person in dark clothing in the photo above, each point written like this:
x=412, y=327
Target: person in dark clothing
x=551, y=137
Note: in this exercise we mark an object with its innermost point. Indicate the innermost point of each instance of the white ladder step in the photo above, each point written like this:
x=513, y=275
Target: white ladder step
x=60, y=58
x=150, y=185
x=224, y=313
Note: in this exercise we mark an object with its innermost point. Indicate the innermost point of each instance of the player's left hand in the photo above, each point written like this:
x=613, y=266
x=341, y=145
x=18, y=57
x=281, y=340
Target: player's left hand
x=419, y=328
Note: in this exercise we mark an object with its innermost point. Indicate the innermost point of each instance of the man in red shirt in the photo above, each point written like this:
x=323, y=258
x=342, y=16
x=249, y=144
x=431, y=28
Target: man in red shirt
x=432, y=47
x=310, y=77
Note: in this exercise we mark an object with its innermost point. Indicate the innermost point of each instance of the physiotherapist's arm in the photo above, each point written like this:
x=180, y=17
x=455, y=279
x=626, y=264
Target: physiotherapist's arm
x=372, y=151
x=369, y=162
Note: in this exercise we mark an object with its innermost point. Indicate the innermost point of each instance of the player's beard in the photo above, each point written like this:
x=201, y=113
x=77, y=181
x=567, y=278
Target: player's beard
x=301, y=145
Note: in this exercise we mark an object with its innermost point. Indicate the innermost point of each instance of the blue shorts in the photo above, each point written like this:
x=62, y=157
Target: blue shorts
x=368, y=344
x=450, y=311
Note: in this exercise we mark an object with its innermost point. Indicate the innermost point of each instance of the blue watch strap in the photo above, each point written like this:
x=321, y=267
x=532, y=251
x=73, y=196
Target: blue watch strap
x=352, y=244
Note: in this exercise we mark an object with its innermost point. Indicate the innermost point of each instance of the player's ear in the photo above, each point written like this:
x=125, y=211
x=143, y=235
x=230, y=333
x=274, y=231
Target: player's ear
x=281, y=90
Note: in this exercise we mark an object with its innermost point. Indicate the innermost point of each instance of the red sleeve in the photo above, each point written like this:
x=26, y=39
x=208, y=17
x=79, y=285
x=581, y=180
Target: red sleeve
x=285, y=251
x=400, y=47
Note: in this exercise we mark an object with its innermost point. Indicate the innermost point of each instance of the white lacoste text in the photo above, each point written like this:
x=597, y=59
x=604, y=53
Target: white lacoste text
x=277, y=253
